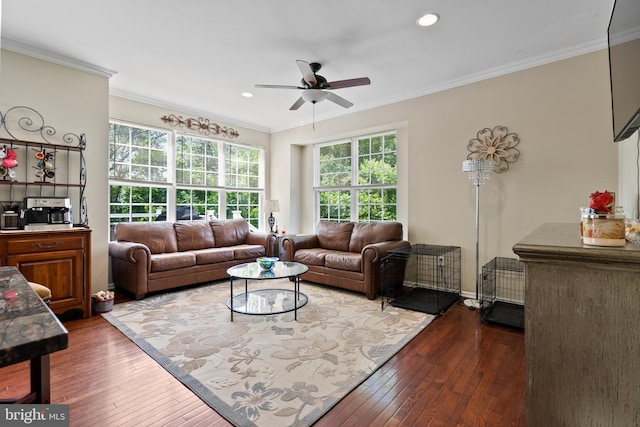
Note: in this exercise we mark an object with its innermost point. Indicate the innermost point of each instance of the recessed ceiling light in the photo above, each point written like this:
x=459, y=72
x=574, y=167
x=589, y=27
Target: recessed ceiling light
x=247, y=94
x=428, y=19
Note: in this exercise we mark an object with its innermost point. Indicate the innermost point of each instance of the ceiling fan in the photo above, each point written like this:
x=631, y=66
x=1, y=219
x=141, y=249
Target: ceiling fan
x=316, y=88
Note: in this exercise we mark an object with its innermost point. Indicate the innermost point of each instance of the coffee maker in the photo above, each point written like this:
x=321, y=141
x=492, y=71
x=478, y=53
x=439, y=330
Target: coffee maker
x=47, y=213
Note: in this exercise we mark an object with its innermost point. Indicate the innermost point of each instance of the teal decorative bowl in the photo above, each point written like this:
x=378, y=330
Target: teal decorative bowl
x=267, y=263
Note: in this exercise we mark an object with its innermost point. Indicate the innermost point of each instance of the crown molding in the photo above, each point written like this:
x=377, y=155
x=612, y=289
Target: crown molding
x=28, y=50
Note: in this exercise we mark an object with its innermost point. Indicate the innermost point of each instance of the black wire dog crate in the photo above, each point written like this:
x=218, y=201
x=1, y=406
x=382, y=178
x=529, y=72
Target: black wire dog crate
x=502, y=295
x=421, y=277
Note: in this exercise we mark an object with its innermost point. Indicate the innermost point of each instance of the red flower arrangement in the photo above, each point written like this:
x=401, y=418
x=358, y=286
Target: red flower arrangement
x=602, y=203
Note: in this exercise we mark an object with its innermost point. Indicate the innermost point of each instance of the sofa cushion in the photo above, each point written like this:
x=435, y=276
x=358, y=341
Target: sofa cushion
x=172, y=261
x=248, y=251
x=159, y=236
x=334, y=235
x=230, y=232
x=349, y=261
x=213, y=255
x=365, y=233
x=313, y=256
x=192, y=235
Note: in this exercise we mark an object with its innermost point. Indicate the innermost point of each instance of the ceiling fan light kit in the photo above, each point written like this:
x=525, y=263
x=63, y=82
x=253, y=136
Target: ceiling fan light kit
x=314, y=95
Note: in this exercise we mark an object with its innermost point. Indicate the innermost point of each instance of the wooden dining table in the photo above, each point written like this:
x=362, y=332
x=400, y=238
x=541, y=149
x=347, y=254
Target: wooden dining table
x=28, y=331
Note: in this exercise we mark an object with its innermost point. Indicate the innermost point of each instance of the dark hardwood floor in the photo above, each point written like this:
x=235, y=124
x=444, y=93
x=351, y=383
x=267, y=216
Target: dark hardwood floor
x=457, y=372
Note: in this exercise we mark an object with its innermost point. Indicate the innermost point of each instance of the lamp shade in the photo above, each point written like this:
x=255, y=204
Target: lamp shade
x=271, y=206
x=478, y=170
x=482, y=166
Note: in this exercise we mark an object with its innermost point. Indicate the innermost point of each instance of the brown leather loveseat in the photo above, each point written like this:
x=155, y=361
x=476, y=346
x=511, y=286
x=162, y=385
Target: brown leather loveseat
x=155, y=256
x=346, y=254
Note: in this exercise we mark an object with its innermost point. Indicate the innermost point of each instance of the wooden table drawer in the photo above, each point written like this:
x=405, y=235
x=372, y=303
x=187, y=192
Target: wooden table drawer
x=43, y=244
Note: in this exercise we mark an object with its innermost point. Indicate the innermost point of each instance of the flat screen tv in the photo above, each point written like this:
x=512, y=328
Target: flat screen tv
x=624, y=67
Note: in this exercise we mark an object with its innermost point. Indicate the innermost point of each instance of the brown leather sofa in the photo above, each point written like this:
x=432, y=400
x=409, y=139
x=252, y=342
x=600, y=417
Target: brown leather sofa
x=346, y=254
x=156, y=256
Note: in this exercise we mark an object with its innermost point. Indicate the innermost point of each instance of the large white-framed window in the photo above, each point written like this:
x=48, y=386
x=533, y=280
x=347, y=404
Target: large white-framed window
x=161, y=175
x=356, y=179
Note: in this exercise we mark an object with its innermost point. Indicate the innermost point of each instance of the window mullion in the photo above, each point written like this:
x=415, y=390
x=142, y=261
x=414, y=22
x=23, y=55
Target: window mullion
x=171, y=178
x=222, y=178
x=354, y=180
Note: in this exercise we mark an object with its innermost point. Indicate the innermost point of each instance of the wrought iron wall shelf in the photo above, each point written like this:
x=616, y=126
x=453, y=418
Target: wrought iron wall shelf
x=46, y=166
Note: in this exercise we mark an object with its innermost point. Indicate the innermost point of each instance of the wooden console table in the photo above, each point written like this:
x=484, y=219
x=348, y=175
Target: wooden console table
x=28, y=331
x=582, y=330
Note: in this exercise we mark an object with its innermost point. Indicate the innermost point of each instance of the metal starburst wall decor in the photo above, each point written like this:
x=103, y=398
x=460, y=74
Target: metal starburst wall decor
x=495, y=144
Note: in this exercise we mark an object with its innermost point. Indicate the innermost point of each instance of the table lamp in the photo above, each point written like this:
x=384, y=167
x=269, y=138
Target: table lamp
x=271, y=206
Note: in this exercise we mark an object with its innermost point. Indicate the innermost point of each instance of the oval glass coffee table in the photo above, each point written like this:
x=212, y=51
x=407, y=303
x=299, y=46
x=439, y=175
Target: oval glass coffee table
x=267, y=301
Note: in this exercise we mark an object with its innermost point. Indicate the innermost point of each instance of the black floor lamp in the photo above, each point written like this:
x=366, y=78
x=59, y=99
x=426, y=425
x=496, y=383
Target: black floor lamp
x=479, y=171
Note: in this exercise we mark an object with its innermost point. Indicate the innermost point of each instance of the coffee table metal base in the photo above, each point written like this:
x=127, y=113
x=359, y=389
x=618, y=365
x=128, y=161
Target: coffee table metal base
x=267, y=301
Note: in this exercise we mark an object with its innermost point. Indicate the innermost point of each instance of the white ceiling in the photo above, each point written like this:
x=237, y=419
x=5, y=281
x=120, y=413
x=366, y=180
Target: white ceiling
x=198, y=56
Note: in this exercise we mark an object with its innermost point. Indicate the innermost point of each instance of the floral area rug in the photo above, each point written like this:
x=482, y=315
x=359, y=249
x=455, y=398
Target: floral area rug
x=268, y=370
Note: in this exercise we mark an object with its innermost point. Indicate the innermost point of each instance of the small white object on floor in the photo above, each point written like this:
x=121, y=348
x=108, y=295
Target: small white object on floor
x=473, y=304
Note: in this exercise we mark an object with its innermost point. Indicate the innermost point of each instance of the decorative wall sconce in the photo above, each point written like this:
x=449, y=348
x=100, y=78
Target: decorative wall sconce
x=495, y=144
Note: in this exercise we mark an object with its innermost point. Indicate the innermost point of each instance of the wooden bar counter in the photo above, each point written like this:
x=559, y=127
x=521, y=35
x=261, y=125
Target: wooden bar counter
x=28, y=331
x=582, y=330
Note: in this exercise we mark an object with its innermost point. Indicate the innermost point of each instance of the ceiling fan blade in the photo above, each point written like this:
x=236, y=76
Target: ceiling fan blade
x=297, y=104
x=338, y=100
x=339, y=84
x=279, y=87
x=307, y=72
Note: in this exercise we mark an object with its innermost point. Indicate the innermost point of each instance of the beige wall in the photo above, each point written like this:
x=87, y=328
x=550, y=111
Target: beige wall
x=70, y=101
x=560, y=111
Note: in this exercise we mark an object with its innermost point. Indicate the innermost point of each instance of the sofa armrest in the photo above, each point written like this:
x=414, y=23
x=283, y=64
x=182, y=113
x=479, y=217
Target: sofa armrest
x=130, y=252
x=371, y=256
x=130, y=266
x=374, y=252
x=304, y=241
x=268, y=240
